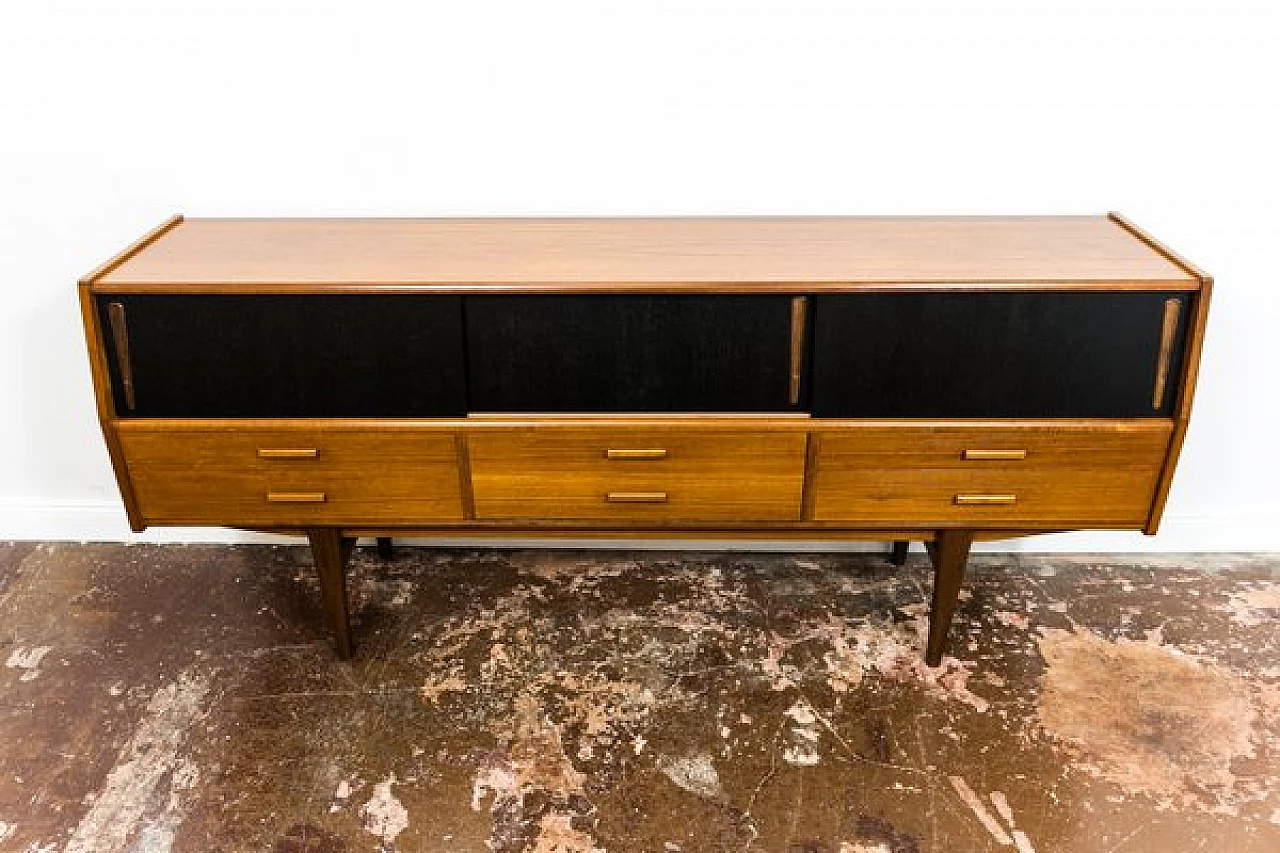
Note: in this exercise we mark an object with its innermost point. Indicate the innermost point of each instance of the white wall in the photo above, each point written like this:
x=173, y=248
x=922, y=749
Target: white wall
x=114, y=118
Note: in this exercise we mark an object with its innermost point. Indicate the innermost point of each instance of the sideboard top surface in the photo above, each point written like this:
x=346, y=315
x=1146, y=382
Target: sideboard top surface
x=590, y=254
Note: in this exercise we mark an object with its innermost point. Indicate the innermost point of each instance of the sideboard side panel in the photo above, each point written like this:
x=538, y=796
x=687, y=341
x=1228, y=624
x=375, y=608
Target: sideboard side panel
x=105, y=403
x=1189, y=372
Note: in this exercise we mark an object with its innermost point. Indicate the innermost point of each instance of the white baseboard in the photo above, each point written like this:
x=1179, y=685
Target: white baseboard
x=63, y=520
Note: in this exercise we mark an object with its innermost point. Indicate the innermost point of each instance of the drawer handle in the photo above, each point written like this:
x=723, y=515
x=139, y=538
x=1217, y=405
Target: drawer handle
x=988, y=455
x=986, y=500
x=296, y=497
x=288, y=452
x=650, y=453
x=636, y=497
x=120, y=335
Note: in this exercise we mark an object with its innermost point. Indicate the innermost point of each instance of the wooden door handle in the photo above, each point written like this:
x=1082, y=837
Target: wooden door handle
x=799, y=313
x=120, y=337
x=1168, y=335
x=641, y=453
x=986, y=500
x=296, y=497
x=990, y=455
x=288, y=452
x=636, y=497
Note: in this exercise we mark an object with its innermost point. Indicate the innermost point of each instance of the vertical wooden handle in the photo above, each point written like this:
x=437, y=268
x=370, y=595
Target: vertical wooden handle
x=1168, y=334
x=799, y=313
x=120, y=335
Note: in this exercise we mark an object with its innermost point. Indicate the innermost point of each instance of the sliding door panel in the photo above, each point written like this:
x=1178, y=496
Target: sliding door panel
x=999, y=355
x=246, y=356
x=664, y=353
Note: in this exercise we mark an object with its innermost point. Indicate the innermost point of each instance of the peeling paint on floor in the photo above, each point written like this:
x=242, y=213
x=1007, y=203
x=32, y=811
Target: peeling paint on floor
x=1154, y=720
x=979, y=809
x=178, y=698
x=1256, y=604
x=695, y=774
x=802, y=747
x=150, y=775
x=28, y=660
x=384, y=816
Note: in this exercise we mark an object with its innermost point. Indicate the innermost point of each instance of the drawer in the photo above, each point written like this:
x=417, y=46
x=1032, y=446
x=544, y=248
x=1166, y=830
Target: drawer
x=250, y=475
x=990, y=475
x=642, y=474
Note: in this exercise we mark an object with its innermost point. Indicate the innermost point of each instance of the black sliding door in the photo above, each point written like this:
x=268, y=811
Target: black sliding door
x=625, y=353
x=1006, y=355
x=248, y=356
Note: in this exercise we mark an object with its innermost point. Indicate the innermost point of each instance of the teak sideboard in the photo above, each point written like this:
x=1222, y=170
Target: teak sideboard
x=944, y=379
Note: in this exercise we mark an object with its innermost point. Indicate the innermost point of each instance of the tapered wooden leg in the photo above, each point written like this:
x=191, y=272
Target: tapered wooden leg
x=950, y=553
x=898, y=556
x=384, y=548
x=329, y=551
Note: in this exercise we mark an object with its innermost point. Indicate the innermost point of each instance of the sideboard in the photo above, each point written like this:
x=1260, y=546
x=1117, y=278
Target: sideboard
x=938, y=379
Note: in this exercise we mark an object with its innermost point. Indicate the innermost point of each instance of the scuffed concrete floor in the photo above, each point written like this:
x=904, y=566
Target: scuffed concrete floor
x=186, y=699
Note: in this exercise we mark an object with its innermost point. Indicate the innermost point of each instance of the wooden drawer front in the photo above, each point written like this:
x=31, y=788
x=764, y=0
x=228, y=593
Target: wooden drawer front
x=1071, y=476
x=272, y=476
x=637, y=474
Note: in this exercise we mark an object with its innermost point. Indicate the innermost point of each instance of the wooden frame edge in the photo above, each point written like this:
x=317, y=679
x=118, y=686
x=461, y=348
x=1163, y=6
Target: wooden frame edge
x=114, y=263
x=1190, y=367
x=1156, y=246
x=105, y=405
x=808, y=494
x=100, y=374
x=605, y=529
x=693, y=534
x=784, y=422
x=466, y=490
x=710, y=534
x=1195, y=345
x=1187, y=387
x=796, y=288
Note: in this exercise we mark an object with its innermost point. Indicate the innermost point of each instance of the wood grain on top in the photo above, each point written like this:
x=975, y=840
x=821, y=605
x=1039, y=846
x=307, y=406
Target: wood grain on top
x=582, y=254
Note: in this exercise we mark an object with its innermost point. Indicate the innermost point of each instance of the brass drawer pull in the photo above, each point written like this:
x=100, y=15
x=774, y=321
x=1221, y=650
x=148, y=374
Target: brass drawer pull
x=296, y=497
x=986, y=500
x=120, y=336
x=986, y=455
x=636, y=497
x=288, y=452
x=650, y=453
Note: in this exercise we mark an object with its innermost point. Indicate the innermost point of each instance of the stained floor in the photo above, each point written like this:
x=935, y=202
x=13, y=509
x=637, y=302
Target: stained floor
x=178, y=698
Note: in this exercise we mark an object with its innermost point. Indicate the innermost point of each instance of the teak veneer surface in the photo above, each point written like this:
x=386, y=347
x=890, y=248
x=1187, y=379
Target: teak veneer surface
x=214, y=475
x=765, y=253
x=1092, y=443
x=1033, y=498
x=1104, y=475
x=655, y=474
